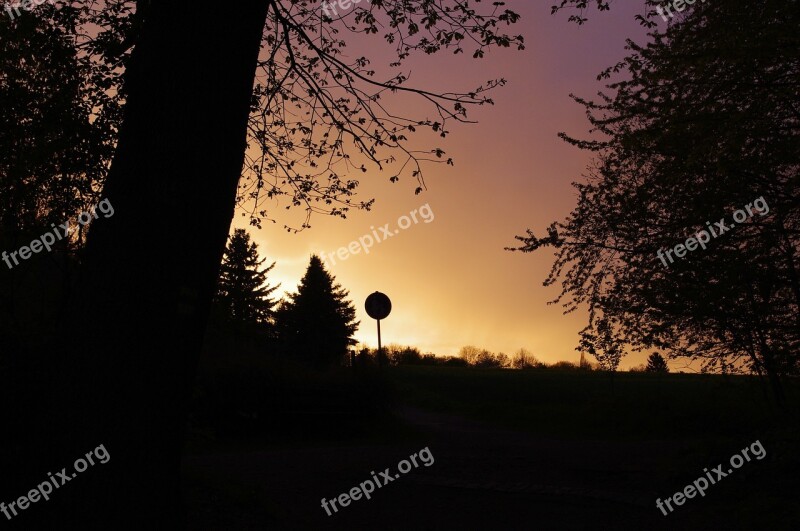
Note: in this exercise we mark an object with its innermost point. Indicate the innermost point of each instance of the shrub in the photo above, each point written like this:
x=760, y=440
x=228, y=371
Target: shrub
x=564, y=366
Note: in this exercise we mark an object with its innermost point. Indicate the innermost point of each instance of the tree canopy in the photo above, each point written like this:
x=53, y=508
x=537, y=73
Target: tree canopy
x=318, y=116
x=57, y=130
x=703, y=123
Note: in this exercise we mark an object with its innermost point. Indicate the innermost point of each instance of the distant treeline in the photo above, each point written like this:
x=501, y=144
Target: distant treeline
x=471, y=356
x=468, y=356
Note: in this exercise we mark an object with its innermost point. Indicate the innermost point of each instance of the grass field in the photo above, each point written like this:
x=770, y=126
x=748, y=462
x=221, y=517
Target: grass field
x=575, y=403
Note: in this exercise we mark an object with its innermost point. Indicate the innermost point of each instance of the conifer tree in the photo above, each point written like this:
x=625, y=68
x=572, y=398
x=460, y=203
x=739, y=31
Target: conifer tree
x=317, y=322
x=243, y=294
x=656, y=363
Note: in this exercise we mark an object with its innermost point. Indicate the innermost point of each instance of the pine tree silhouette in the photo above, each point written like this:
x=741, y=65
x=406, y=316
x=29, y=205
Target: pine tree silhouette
x=656, y=363
x=243, y=294
x=318, y=322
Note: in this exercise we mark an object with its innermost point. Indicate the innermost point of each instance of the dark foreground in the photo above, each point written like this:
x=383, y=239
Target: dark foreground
x=518, y=450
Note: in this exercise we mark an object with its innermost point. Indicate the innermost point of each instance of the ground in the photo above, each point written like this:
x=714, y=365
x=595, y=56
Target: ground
x=518, y=450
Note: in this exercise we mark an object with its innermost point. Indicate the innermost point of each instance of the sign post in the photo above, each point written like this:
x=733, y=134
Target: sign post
x=379, y=307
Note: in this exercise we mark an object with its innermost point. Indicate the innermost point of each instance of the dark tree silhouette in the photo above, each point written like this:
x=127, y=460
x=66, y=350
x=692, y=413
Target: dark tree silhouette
x=193, y=102
x=317, y=322
x=482, y=358
x=602, y=342
x=403, y=355
x=701, y=126
x=243, y=294
x=56, y=133
x=56, y=140
x=523, y=359
x=656, y=363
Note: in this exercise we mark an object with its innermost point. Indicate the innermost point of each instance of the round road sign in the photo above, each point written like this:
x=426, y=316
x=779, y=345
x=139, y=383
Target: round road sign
x=378, y=306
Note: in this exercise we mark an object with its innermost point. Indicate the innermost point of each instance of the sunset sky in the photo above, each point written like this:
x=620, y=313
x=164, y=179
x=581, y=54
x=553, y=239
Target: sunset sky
x=450, y=281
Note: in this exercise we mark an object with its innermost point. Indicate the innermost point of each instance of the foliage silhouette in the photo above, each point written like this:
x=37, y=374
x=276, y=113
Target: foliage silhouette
x=243, y=294
x=56, y=140
x=656, y=363
x=317, y=323
x=687, y=141
x=57, y=131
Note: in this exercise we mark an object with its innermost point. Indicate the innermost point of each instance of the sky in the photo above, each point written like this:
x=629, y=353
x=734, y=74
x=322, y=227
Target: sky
x=449, y=278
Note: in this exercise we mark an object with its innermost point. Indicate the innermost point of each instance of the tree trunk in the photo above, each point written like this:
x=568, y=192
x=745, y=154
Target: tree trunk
x=770, y=367
x=151, y=268
x=776, y=385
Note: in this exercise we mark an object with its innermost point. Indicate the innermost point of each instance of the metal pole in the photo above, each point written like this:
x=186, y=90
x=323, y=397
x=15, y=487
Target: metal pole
x=380, y=347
